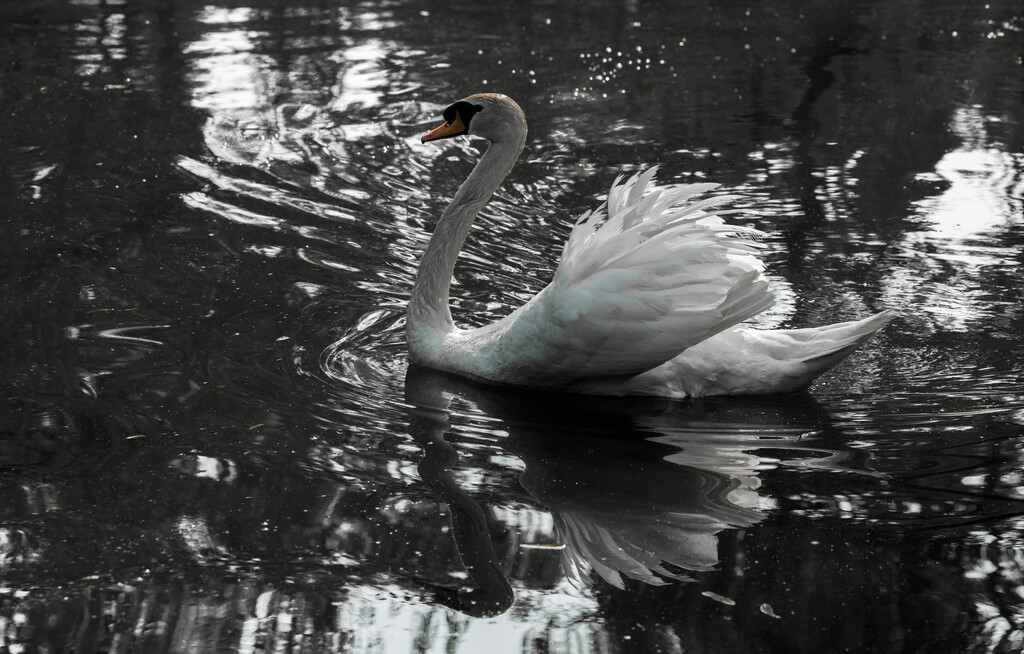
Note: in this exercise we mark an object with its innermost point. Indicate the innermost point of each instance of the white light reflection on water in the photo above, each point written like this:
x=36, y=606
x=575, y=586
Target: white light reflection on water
x=388, y=623
x=229, y=76
x=986, y=188
x=984, y=196
x=962, y=240
x=225, y=72
x=361, y=82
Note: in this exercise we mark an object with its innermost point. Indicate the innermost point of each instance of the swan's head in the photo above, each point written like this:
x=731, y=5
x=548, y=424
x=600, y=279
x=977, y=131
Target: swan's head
x=492, y=116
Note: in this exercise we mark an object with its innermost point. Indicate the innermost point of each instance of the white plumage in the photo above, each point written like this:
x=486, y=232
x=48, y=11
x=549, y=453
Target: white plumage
x=645, y=301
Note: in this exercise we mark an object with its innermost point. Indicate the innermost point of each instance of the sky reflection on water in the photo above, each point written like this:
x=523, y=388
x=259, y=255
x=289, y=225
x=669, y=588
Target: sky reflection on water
x=209, y=436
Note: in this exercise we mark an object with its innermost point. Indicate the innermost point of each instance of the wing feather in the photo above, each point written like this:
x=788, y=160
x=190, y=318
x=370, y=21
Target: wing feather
x=647, y=275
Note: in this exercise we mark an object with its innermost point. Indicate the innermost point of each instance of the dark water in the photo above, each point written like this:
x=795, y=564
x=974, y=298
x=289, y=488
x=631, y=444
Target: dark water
x=209, y=437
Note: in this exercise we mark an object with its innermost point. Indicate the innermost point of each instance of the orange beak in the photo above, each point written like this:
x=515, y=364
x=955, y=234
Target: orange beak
x=447, y=130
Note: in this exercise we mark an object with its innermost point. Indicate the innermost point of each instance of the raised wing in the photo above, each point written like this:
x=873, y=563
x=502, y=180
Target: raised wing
x=642, y=278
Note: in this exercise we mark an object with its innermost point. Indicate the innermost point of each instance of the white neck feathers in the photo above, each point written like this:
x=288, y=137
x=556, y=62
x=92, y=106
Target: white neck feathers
x=429, y=316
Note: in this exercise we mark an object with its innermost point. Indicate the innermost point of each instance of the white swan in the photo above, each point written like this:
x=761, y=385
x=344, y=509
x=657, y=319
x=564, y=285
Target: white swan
x=645, y=301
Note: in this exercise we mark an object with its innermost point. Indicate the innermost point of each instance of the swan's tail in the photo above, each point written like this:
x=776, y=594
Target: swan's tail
x=821, y=348
x=743, y=361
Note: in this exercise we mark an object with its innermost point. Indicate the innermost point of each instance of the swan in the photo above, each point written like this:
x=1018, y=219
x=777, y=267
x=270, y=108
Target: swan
x=647, y=298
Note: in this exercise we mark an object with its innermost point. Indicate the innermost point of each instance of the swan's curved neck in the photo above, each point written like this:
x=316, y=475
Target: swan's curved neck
x=429, y=317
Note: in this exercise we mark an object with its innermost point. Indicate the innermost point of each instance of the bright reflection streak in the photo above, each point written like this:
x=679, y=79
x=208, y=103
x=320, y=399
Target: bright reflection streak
x=361, y=83
x=389, y=623
x=213, y=15
x=225, y=72
x=985, y=183
x=226, y=81
x=980, y=198
x=963, y=229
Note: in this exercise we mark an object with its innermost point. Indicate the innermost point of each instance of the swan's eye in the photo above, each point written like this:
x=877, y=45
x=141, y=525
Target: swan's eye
x=464, y=110
x=449, y=114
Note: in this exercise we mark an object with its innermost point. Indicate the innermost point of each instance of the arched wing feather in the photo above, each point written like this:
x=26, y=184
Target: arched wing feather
x=642, y=278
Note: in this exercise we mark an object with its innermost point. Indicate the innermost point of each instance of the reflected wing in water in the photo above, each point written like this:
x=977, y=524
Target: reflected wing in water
x=638, y=489
x=636, y=511
x=650, y=543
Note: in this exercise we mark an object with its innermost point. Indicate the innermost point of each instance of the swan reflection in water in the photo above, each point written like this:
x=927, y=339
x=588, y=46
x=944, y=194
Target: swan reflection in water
x=638, y=489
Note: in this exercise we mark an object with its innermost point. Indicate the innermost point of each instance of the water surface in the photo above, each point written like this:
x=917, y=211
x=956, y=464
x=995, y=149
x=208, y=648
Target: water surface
x=210, y=437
